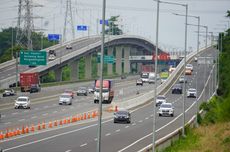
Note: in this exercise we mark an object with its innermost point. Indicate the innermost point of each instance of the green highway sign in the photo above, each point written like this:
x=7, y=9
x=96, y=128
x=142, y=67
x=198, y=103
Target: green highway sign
x=33, y=57
x=107, y=59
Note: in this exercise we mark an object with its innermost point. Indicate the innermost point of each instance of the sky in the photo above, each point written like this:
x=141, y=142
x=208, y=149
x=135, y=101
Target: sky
x=137, y=17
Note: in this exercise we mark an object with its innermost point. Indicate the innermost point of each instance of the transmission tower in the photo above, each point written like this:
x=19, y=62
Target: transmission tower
x=68, y=20
x=25, y=25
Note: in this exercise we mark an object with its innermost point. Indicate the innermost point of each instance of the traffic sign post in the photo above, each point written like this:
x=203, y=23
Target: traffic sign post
x=82, y=28
x=33, y=58
x=54, y=37
x=106, y=22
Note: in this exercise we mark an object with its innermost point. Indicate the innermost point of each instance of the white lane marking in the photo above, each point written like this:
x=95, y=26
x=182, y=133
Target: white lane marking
x=126, y=126
x=45, y=114
x=118, y=130
x=134, y=124
x=146, y=118
x=3, y=116
x=151, y=115
x=63, y=109
x=7, y=123
x=68, y=150
x=8, y=74
x=108, y=134
x=55, y=112
x=46, y=106
x=83, y=145
x=21, y=120
x=140, y=121
x=15, y=113
x=33, y=117
x=95, y=139
x=36, y=108
x=156, y=130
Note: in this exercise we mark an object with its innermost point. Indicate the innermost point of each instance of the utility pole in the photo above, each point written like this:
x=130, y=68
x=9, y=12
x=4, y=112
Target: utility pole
x=68, y=20
x=25, y=25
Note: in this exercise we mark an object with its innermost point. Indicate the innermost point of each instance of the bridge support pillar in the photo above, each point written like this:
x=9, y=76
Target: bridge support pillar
x=88, y=66
x=139, y=67
x=119, y=60
x=109, y=65
x=126, y=59
x=58, y=74
x=74, y=70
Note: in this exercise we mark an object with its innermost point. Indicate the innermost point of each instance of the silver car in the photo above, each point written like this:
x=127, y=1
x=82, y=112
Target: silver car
x=160, y=99
x=166, y=109
x=191, y=93
x=65, y=98
x=22, y=102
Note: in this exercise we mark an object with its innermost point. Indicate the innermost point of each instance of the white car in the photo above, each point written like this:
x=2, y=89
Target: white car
x=51, y=57
x=22, y=102
x=182, y=79
x=65, y=98
x=8, y=92
x=68, y=46
x=189, y=67
x=160, y=99
x=139, y=82
x=191, y=92
x=166, y=109
x=195, y=59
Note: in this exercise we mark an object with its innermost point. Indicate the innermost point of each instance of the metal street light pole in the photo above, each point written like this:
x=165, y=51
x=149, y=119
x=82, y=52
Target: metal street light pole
x=155, y=86
x=101, y=78
x=155, y=89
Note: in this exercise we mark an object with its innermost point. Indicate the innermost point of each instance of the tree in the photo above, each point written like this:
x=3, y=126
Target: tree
x=113, y=28
x=228, y=13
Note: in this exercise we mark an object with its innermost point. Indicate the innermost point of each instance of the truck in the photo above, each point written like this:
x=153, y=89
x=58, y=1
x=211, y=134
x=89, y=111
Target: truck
x=27, y=80
x=145, y=70
x=107, y=91
x=164, y=75
x=151, y=77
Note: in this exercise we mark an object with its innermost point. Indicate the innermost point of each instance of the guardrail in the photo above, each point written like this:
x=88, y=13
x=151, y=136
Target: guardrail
x=141, y=99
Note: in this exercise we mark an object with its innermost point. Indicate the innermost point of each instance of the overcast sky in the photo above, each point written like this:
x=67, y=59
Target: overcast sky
x=137, y=17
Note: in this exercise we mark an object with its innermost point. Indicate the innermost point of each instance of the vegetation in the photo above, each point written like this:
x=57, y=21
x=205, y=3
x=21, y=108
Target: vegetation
x=8, y=43
x=113, y=28
x=214, y=131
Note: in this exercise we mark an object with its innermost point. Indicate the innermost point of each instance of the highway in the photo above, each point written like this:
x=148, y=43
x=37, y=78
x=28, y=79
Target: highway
x=10, y=70
x=82, y=136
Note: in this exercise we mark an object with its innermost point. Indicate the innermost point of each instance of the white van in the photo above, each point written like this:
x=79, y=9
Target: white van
x=151, y=77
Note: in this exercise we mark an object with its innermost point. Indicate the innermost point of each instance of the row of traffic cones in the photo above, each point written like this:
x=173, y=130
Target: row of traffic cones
x=27, y=129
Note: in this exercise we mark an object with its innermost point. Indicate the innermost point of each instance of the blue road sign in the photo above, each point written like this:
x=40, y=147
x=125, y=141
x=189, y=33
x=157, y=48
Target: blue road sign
x=54, y=37
x=106, y=22
x=82, y=28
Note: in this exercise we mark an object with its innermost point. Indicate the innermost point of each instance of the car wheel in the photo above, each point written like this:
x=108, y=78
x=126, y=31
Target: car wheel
x=15, y=107
x=114, y=121
x=70, y=103
x=3, y=95
x=172, y=115
x=159, y=115
x=60, y=104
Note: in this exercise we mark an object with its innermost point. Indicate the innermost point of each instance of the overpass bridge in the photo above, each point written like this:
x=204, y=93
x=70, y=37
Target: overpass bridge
x=122, y=47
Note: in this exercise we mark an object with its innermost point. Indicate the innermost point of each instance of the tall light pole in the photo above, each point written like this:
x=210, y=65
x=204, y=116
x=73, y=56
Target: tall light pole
x=155, y=89
x=101, y=78
x=197, y=51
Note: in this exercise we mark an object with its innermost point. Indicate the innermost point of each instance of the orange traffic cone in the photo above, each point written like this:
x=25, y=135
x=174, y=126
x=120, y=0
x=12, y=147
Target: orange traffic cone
x=18, y=131
x=39, y=126
x=60, y=122
x=50, y=124
x=88, y=115
x=1, y=136
x=84, y=116
x=32, y=128
x=68, y=120
x=23, y=130
x=27, y=129
x=43, y=125
x=65, y=121
x=55, y=123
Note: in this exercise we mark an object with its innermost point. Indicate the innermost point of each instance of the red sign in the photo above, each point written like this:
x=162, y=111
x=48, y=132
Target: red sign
x=162, y=57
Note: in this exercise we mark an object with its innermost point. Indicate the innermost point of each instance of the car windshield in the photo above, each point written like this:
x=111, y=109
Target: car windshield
x=166, y=106
x=177, y=86
x=65, y=96
x=192, y=90
x=189, y=65
x=82, y=88
x=22, y=99
x=104, y=90
x=122, y=113
x=161, y=97
x=8, y=90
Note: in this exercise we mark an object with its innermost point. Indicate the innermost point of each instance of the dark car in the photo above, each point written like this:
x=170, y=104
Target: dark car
x=177, y=89
x=82, y=91
x=8, y=92
x=123, y=76
x=35, y=88
x=122, y=116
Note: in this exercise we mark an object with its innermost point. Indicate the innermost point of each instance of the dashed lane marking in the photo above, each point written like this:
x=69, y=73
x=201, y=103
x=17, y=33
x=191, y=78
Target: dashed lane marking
x=126, y=126
x=118, y=130
x=108, y=134
x=7, y=123
x=34, y=117
x=140, y=121
x=85, y=144
x=68, y=150
x=21, y=120
x=146, y=118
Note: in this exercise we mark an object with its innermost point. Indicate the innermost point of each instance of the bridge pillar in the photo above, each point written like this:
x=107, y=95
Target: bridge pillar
x=139, y=67
x=126, y=59
x=58, y=74
x=119, y=60
x=109, y=65
x=88, y=66
x=74, y=70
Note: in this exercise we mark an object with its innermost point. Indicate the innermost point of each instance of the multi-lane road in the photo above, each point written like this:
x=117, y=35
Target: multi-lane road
x=82, y=136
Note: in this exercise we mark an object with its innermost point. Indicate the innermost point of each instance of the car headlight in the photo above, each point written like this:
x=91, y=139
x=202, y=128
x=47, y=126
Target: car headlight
x=115, y=116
